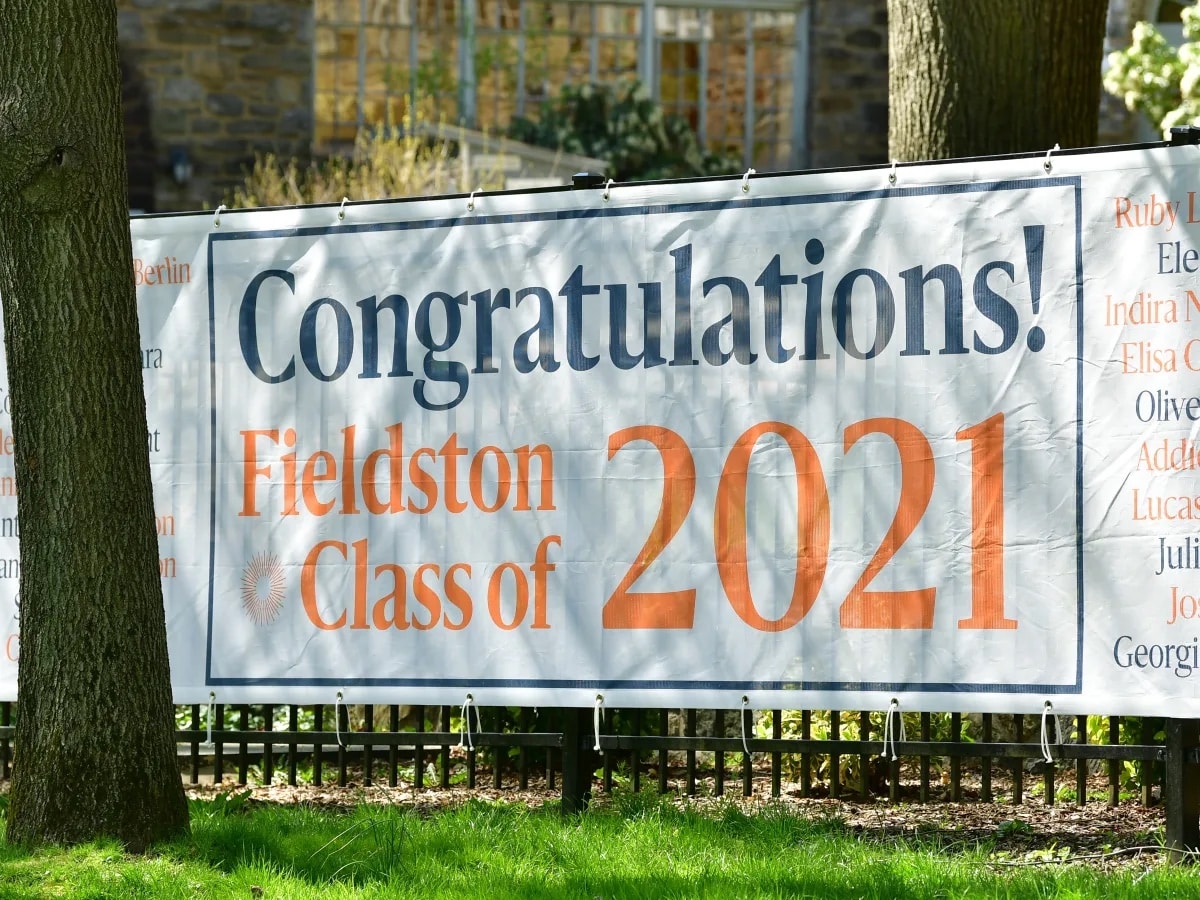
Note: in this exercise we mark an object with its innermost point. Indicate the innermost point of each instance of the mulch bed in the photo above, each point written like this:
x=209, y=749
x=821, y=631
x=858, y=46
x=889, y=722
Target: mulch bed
x=1027, y=834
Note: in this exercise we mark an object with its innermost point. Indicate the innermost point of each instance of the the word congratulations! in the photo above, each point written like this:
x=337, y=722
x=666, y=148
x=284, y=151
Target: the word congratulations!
x=727, y=338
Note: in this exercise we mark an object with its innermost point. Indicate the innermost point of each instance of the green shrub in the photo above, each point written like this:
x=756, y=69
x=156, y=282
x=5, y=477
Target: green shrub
x=623, y=126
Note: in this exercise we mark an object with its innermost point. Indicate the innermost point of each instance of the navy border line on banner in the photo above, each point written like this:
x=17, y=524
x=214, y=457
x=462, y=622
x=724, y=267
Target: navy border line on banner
x=1072, y=181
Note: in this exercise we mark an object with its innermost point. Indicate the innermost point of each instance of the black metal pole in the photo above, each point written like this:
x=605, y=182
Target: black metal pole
x=579, y=760
x=1182, y=788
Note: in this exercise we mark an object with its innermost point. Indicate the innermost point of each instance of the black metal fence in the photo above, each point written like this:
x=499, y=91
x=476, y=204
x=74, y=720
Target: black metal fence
x=838, y=754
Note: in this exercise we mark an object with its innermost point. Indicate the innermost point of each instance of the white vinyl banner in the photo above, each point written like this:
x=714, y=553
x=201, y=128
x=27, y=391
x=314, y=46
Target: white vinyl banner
x=812, y=441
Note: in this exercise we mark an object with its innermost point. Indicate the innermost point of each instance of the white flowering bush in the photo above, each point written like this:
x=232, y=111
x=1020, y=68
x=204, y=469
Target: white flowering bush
x=1156, y=79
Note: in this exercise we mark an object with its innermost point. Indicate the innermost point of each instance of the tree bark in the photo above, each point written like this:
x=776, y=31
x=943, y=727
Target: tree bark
x=95, y=752
x=993, y=76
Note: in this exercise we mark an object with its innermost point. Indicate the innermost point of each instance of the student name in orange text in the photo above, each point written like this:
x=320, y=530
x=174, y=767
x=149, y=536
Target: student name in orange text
x=1146, y=355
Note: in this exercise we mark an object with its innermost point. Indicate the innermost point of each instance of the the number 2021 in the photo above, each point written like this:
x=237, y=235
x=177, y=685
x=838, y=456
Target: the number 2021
x=862, y=607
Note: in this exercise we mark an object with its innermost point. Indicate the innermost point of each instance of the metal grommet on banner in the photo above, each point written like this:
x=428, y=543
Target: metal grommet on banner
x=342, y=209
x=1048, y=713
x=464, y=733
x=745, y=710
x=1047, y=165
x=890, y=732
x=210, y=711
x=337, y=719
x=597, y=715
x=471, y=200
x=608, y=190
x=746, y=181
x=217, y=216
x=892, y=171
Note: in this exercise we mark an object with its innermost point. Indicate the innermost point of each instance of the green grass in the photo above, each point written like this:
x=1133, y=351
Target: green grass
x=634, y=846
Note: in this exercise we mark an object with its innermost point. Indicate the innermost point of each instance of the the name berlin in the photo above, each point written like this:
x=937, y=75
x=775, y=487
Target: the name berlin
x=167, y=271
x=862, y=311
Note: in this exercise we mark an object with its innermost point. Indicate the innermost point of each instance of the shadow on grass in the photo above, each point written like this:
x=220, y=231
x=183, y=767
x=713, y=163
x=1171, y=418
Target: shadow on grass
x=513, y=851
x=633, y=845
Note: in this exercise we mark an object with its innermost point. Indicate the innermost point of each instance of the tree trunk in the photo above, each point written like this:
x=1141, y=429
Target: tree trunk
x=95, y=752
x=993, y=76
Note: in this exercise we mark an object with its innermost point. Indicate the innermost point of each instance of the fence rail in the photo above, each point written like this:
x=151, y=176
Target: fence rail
x=670, y=750
x=637, y=743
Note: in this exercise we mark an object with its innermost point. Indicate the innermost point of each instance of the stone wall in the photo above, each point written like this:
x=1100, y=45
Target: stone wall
x=217, y=80
x=848, y=83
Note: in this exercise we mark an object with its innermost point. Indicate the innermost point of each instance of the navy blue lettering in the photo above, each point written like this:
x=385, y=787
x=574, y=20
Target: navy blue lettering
x=885, y=313
x=739, y=318
x=772, y=281
x=485, y=305
x=683, y=307
x=248, y=327
x=308, y=339
x=618, y=340
x=543, y=330
x=575, y=290
x=440, y=370
x=398, y=307
x=996, y=308
x=814, y=252
x=915, y=280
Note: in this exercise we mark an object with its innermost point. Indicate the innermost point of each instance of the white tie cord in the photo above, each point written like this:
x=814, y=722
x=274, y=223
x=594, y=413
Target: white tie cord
x=597, y=717
x=890, y=734
x=745, y=705
x=1048, y=713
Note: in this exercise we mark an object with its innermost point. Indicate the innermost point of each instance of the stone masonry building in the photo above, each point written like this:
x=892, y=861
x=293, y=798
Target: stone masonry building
x=212, y=82
x=790, y=83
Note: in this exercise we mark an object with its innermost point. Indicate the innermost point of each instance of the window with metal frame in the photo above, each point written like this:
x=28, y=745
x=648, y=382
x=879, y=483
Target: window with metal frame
x=736, y=70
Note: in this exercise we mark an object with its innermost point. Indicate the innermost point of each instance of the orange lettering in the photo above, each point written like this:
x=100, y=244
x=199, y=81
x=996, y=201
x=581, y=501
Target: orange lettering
x=396, y=598
x=360, y=584
x=987, y=525
x=450, y=454
x=541, y=568
x=427, y=596
x=250, y=469
x=894, y=609
x=656, y=609
x=546, y=470
x=311, y=477
x=503, y=478
x=308, y=585
x=348, y=458
x=812, y=527
x=422, y=480
x=394, y=454
x=522, y=604
x=458, y=597
x=289, y=475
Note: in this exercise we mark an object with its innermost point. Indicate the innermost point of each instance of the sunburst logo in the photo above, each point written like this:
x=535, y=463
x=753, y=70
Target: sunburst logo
x=263, y=588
